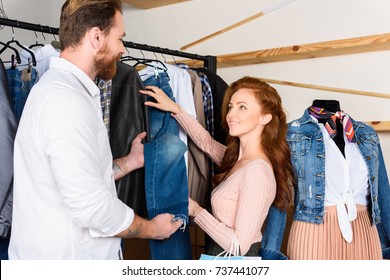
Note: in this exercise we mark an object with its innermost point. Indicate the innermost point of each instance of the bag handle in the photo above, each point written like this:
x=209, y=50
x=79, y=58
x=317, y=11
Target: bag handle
x=234, y=249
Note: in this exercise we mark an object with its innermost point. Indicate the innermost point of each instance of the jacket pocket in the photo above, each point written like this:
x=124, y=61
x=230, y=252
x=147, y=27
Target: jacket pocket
x=299, y=145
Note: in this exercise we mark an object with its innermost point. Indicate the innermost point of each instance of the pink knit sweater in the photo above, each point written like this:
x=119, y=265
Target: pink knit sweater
x=240, y=203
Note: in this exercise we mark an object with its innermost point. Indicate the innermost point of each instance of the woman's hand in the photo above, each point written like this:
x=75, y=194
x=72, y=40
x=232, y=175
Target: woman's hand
x=163, y=103
x=193, y=208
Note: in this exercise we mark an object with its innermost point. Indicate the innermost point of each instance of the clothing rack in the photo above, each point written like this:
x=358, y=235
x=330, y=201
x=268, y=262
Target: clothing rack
x=209, y=62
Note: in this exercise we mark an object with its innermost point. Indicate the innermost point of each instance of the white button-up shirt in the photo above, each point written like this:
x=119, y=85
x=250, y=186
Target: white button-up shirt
x=65, y=202
x=346, y=181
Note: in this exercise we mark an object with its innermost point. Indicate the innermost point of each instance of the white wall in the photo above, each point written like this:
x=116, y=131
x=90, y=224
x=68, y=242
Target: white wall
x=302, y=22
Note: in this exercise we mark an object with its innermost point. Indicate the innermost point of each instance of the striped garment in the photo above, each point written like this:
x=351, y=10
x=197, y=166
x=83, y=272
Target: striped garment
x=105, y=100
x=331, y=118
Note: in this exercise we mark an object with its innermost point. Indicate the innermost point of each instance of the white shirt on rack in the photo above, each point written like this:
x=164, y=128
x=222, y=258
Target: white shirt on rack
x=346, y=181
x=42, y=57
x=65, y=200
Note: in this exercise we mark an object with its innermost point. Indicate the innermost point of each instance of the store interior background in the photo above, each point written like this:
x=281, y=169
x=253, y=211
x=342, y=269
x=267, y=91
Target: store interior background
x=301, y=22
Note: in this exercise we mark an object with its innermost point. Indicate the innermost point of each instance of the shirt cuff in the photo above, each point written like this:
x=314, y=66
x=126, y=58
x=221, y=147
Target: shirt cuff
x=126, y=224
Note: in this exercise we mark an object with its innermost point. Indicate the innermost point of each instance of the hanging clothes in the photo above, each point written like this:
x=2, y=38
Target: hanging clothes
x=8, y=130
x=199, y=180
x=15, y=89
x=180, y=83
x=166, y=181
x=218, y=88
x=128, y=118
x=29, y=78
x=105, y=88
x=21, y=78
x=208, y=106
x=42, y=56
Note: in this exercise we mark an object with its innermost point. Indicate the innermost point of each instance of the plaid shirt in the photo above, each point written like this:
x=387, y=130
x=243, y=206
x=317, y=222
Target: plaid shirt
x=105, y=100
x=207, y=99
x=207, y=102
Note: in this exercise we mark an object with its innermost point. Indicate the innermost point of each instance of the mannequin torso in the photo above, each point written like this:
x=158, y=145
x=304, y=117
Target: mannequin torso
x=332, y=106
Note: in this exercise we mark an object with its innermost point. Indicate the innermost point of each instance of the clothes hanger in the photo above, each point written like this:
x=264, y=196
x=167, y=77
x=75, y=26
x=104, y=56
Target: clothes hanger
x=16, y=57
x=164, y=59
x=147, y=62
x=36, y=42
x=14, y=62
x=55, y=43
x=154, y=63
x=174, y=60
x=7, y=45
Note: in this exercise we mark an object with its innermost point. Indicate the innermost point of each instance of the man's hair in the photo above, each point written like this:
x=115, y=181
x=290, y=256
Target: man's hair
x=79, y=16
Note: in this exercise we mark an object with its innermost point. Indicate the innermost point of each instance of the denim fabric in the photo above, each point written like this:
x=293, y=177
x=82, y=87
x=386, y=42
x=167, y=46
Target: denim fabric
x=273, y=234
x=20, y=89
x=15, y=89
x=308, y=158
x=267, y=254
x=26, y=88
x=166, y=184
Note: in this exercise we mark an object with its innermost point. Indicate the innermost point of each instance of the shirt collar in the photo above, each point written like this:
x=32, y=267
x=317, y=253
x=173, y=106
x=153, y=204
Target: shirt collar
x=85, y=80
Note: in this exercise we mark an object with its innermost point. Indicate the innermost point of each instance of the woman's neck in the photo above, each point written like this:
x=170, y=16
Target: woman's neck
x=250, y=151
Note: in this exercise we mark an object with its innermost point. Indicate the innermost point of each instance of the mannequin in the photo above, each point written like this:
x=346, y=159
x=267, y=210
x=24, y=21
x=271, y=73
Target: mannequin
x=332, y=106
x=341, y=206
x=329, y=105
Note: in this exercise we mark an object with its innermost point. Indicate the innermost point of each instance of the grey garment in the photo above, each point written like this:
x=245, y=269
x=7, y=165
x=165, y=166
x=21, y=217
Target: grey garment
x=199, y=180
x=8, y=130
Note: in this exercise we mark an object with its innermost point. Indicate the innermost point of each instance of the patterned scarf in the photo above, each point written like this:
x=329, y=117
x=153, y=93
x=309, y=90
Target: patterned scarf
x=331, y=118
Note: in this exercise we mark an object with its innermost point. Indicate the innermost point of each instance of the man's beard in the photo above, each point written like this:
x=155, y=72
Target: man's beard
x=105, y=65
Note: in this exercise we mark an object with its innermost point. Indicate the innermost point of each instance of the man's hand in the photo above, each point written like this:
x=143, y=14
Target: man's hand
x=160, y=227
x=164, y=225
x=132, y=161
x=137, y=151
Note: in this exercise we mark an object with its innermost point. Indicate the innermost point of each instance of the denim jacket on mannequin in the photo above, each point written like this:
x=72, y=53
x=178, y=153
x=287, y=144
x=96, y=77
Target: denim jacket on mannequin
x=307, y=147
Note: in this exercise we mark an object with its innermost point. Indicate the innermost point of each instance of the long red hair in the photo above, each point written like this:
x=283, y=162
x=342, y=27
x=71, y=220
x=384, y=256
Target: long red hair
x=273, y=138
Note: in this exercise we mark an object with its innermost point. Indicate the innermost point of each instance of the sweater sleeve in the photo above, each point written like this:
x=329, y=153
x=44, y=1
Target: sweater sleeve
x=255, y=198
x=201, y=136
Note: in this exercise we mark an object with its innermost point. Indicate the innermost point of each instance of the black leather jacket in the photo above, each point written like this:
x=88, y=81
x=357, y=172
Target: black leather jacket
x=128, y=118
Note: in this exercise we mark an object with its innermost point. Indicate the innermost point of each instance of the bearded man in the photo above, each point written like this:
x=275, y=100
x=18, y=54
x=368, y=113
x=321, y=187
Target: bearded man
x=65, y=201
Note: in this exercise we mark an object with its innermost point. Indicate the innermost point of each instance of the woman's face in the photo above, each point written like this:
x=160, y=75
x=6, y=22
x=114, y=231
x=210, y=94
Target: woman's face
x=244, y=113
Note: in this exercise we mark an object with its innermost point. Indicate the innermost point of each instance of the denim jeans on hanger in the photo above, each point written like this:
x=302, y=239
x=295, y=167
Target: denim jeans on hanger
x=20, y=89
x=166, y=183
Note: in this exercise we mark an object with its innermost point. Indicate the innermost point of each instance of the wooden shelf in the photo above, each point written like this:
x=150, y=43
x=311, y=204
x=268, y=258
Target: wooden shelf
x=149, y=4
x=380, y=126
x=372, y=43
x=363, y=44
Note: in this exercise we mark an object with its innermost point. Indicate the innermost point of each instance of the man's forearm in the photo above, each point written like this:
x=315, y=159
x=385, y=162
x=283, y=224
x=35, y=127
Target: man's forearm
x=118, y=169
x=139, y=228
x=122, y=166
